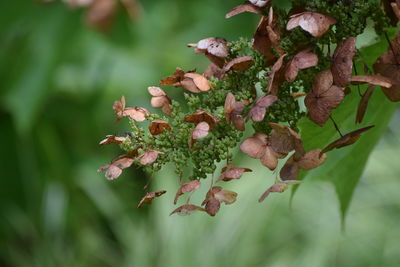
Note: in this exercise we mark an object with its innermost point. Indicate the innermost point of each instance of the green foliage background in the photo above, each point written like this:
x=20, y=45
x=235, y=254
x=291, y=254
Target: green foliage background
x=58, y=82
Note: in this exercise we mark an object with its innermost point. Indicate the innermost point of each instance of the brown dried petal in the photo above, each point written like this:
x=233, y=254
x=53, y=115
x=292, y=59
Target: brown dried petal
x=260, y=3
x=278, y=187
x=270, y=158
x=119, y=107
x=387, y=66
x=100, y=14
x=346, y=140
x=112, y=139
x=213, y=70
x=290, y=170
x=174, y=78
x=149, y=157
x=231, y=172
x=276, y=76
x=363, y=104
x=114, y=169
x=261, y=40
x=255, y=146
x=148, y=198
x=240, y=63
x=200, y=116
x=226, y=196
x=257, y=112
x=315, y=23
x=284, y=140
x=377, y=80
x=201, y=130
x=323, y=98
x=246, y=7
x=186, y=188
x=343, y=62
x=187, y=210
x=302, y=60
x=214, y=45
x=199, y=80
x=158, y=126
x=312, y=159
x=156, y=91
x=137, y=114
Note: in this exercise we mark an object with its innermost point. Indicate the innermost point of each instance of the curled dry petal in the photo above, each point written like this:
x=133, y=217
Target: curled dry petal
x=363, y=104
x=231, y=172
x=245, y=7
x=255, y=146
x=160, y=99
x=215, y=196
x=270, y=158
x=312, y=159
x=302, y=60
x=284, y=139
x=148, y=198
x=277, y=188
x=312, y=22
x=276, y=76
x=187, y=209
x=195, y=83
x=346, y=140
x=290, y=170
x=257, y=112
x=187, y=187
x=215, y=48
x=112, y=139
x=159, y=126
x=100, y=14
x=119, y=107
x=137, y=113
x=174, y=78
x=201, y=130
x=149, y=157
x=233, y=112
x=201, y=116
x=377, y=80
x=240, y=63
x=114, y=169
x=323, y=97
x=260, y=3
x=342, y=64
x=213, y=70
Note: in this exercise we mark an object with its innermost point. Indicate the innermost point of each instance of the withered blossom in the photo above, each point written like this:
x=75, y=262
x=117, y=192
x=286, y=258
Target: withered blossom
x=215, y=196
x=342, y=62
x=195, y=83
x=312, y=22
x=149, y=156
x=186, y=209
x=112, y=139
x=173, y=79
x=302, y=60
x=201, y=115
x=186, y=188
x=114, y=169
x=276, y=75
x=231, y=172
x=363, y=104
x=239, y=63
x=245, y=7
x=159, y=126
x=257, y=112
x=160, y=99
x=233, y=112
x=323, y=97
x=215, y=48
x=279, y=187
x=137, y=113
x=377, y=80
x=310, y=160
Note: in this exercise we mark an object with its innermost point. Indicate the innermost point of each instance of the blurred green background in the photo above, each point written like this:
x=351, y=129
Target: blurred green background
x=58, y=82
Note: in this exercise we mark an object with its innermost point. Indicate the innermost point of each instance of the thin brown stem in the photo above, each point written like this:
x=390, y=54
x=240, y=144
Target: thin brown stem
x=336, y=126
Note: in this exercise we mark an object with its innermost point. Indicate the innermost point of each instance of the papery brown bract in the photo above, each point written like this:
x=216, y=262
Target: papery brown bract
x=186, y=209
x=174, y=78
x=118, y=107
x=363, y=104
x=201, y=115
x=201, y=130
x=160, y=99
x=148, y=198
x=284, y=139
x=323, y=97
x=239, y=63
x=231, y=172
x=213, y=70
x=276, y=76
x=158, y=126
x=342, y=62
x=257, y=112
x=215, y=48
x=186, y=188
x=195, y=83
x=279, y=187
x=137, y=113
x=346, y=140
x=377, y=80
x=309, y=160
x=114, y=169
x=312, y=22
x=302, y=60
x=149, y=157
x=233, y=112
x=112, y=139
x=245, y=7
x=215, y=196
x=388, y=65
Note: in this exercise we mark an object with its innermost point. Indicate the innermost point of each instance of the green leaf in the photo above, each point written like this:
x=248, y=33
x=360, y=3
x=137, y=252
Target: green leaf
x=344, y=167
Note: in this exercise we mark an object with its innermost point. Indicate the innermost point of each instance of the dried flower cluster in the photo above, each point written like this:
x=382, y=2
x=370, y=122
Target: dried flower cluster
x=259, y=83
